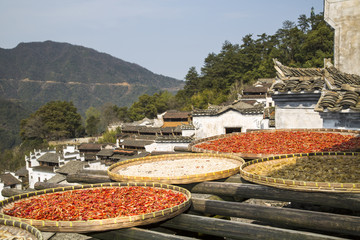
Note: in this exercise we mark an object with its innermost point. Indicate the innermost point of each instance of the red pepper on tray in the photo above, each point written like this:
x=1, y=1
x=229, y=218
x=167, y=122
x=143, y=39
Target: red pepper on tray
x=98, y=203
x=283, y=142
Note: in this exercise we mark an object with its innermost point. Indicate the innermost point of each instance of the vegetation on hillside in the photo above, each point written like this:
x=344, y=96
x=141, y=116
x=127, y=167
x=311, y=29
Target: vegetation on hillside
x=11, y=114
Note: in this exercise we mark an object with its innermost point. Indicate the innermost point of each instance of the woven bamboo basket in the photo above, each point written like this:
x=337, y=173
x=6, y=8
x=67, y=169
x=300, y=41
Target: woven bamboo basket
x=19, y=230
x=192, y=146
x=99, y=224
x=297, y=185
x=113, y=169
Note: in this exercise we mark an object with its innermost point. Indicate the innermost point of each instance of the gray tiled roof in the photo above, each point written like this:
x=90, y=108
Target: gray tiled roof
x=126, y=157
x=9, y=179
x=339, y=91
x=57, y=178
x=166, y=130
x=105, y=152
x=297, y=79
x=49, y=157
x=253, y=89
x=337, y=78
x=135, y=143
x=71, y=167
x=153, y=130
x=174, y=139
x=22, y=172
x=289, y=73
x=186, y=126
x=90, y=146
x=239, y=106
x=176, y=114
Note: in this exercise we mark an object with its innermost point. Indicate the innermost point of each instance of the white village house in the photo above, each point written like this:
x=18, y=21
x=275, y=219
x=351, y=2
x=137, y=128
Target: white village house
x=237, y=117
x=9, y=180
x=42, y=165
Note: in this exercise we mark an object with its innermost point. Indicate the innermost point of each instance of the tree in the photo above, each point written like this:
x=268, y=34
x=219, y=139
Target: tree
x=123, y=114
x=55, y=120
x=92, y=122
x=92, y=125
x=192, y=82
x=109, y=115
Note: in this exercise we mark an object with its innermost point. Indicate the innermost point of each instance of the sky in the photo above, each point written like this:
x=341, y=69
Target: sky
x=166, y=37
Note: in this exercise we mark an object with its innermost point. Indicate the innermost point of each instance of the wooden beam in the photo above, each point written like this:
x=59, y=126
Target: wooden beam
x=87, y=178
x=9, y=192
x=94, y=172
x=237, y=230
x=46, y=185
x=283, y=216
x=135, y=233
x=340, y=200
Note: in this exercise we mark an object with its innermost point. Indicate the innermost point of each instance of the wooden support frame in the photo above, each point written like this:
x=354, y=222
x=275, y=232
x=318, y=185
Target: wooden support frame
x=327, y=222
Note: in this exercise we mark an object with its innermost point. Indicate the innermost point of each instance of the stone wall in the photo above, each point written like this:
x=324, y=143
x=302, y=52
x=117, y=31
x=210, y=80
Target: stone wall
x=344, y=17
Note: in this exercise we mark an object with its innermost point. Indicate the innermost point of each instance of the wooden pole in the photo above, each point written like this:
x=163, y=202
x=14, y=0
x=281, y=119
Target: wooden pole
x=341, y=200
x=87, y=178
x=237, y=230
x=9, y=192
x=284, y=216
x=94, y=172
x=135, y=233
x=45, y=185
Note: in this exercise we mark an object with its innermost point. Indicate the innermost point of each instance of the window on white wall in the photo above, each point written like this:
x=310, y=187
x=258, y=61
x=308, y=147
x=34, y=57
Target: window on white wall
x=232, y=129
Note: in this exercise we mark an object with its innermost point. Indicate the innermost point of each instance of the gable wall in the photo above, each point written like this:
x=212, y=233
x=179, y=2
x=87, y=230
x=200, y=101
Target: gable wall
x=344, y=17
x=207, y=126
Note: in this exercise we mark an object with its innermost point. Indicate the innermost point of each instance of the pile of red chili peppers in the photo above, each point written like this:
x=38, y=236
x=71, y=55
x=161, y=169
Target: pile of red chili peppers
x=97, y=203
x=283, y=142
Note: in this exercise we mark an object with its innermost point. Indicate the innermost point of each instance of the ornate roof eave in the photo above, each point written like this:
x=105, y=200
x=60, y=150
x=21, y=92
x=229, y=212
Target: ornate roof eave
x=256, y=110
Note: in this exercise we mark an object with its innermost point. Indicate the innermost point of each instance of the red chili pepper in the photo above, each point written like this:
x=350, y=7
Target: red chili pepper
x=98, y=203
x=283, y=142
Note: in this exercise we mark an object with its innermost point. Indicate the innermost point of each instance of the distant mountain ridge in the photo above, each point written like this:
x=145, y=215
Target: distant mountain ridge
x=38, y=72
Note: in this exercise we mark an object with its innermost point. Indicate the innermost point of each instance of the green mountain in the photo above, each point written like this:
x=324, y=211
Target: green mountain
x=32, y=74
x=11, y=114
x=38, y=72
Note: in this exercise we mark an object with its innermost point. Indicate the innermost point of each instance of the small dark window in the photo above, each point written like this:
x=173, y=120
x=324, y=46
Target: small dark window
x=232, y=129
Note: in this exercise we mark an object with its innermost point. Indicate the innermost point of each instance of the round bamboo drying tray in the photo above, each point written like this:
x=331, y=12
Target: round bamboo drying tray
x=192, y=146
x=296, y=184
x=20, y=229
x=100, y=224
x=113, y=169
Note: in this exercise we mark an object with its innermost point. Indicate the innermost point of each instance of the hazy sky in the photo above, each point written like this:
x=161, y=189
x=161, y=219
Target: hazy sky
x=165, y=36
